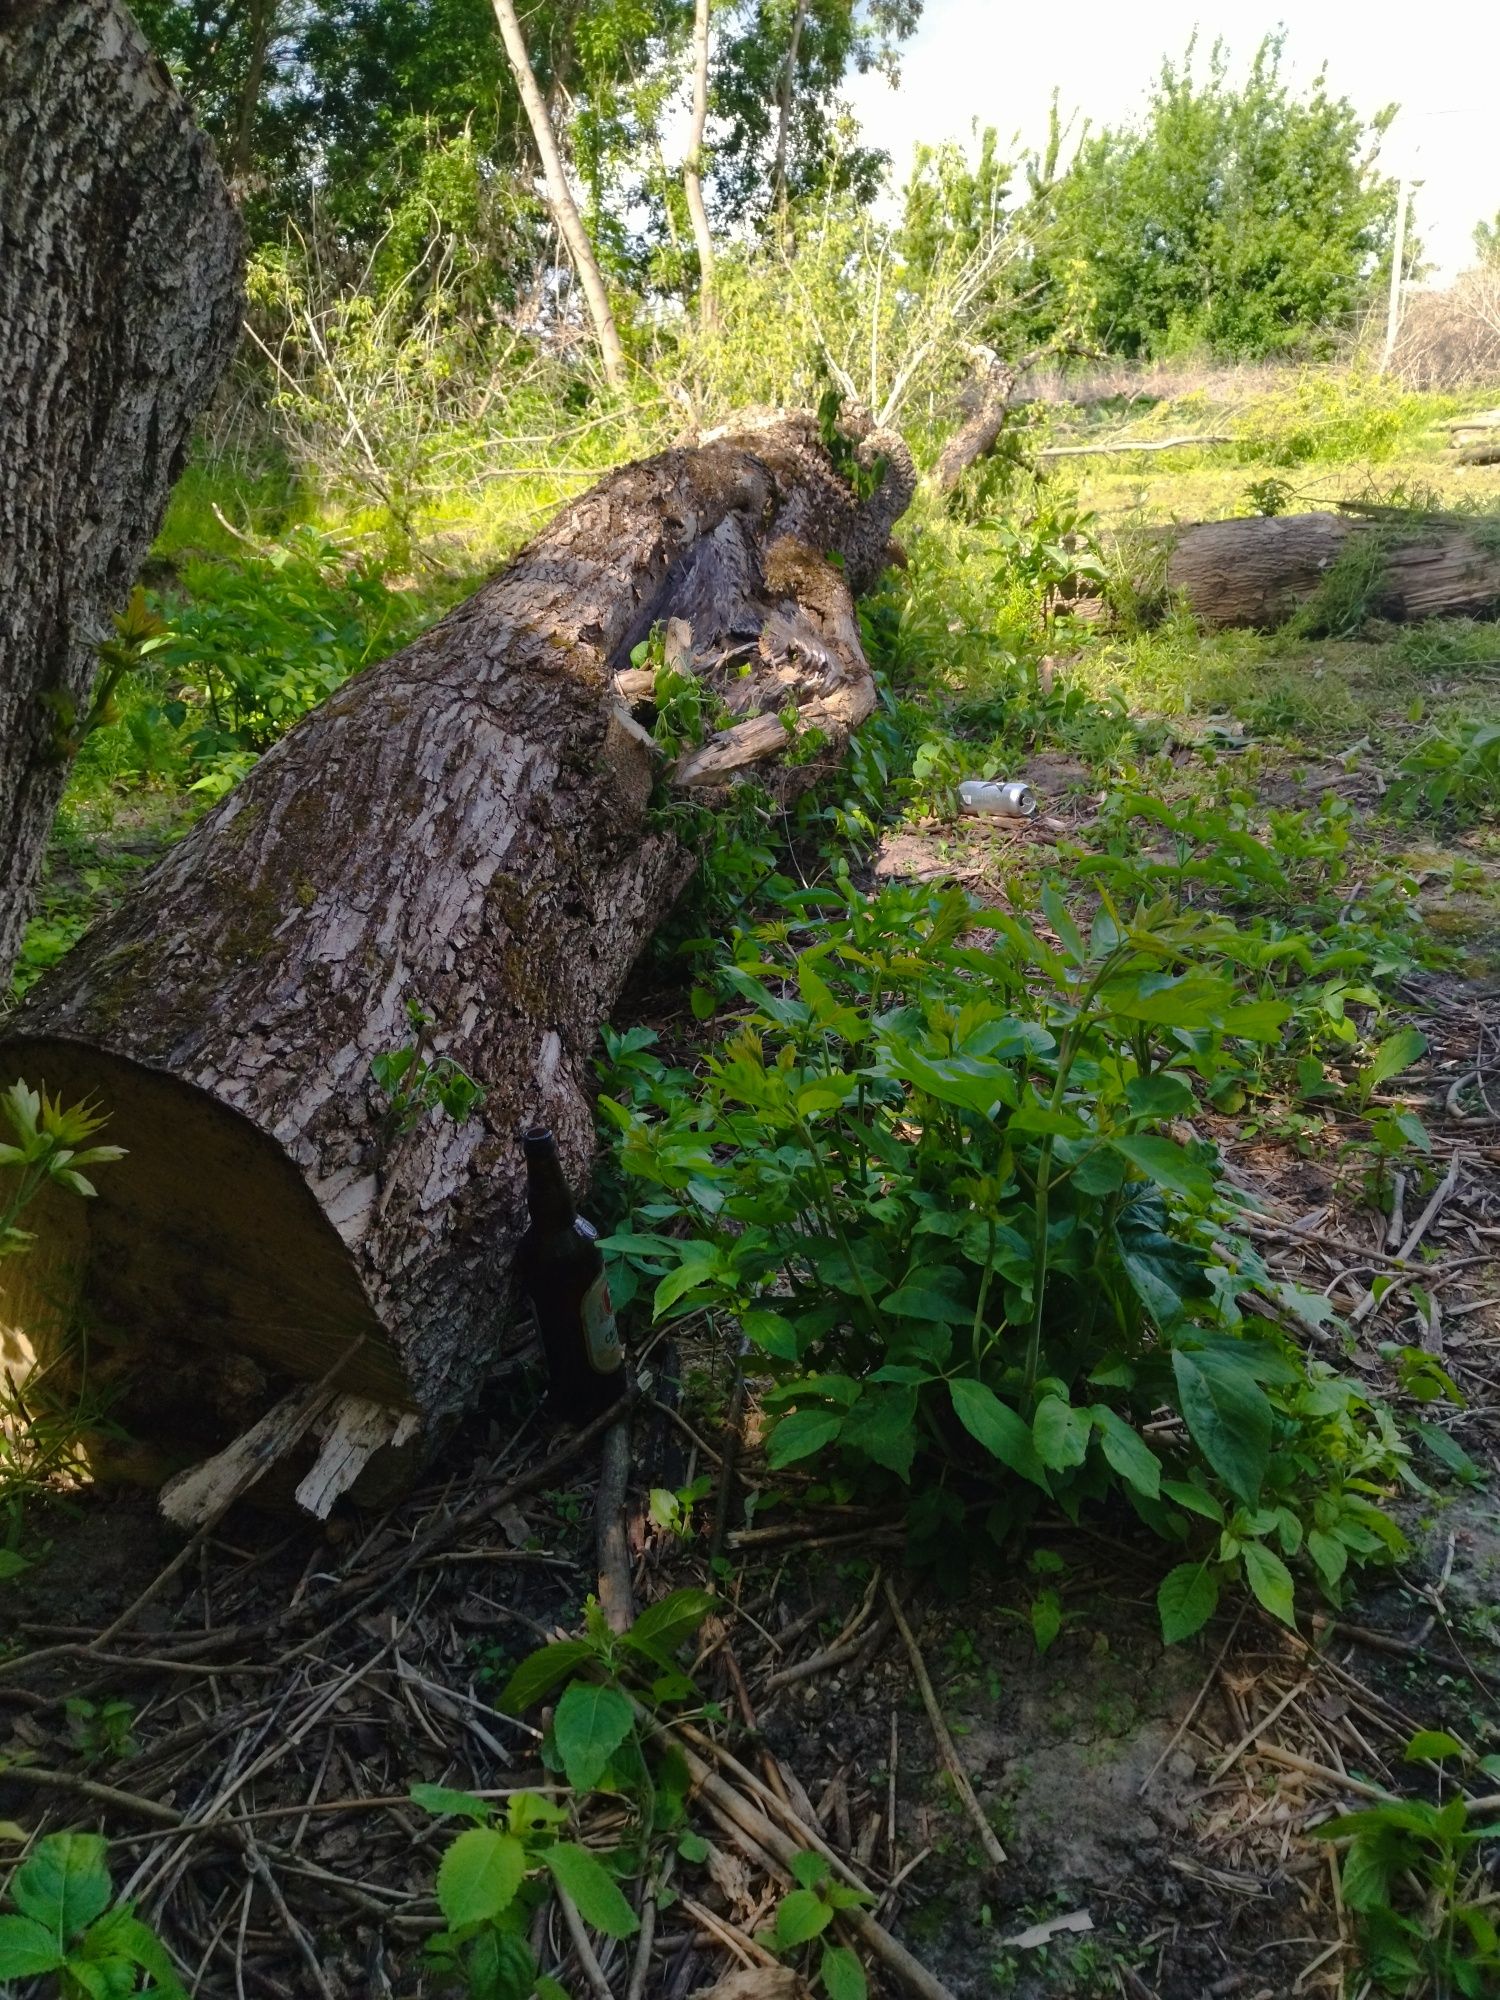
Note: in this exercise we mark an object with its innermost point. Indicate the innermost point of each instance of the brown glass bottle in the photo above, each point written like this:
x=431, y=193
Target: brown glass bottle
x=560, y=1267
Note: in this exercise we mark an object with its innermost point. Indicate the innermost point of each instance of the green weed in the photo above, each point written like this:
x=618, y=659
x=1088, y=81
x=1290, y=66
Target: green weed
x=63, y=1925
x=494, y=1875
x=930, y=1174
x=1414, y=1876
x=1453, y=774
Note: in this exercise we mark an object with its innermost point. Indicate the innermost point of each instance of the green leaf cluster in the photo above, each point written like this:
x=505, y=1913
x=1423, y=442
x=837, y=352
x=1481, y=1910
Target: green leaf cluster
x=63, y=1924
x=936, y=1170
x=1413, y=1874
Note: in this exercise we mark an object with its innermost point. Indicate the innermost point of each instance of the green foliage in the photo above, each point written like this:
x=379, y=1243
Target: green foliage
x=396, y=123
x=803, y=1918
x=1347, y=594
x=491, y=1879
x=493, y=1876
x=1240, y=220
x=1269, y=497
x=930, y=1173
x=48, y=1151
x=1414, y=1876
x=64, y=1926
x=1312, y=927
x=101, y=1729
x=257, y=643
x=138, y=633
x=416, y=1083
x=1337, y=418
x=1453, y=774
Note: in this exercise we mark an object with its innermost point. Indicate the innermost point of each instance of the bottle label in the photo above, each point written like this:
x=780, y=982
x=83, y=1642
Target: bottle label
x=599, y=1329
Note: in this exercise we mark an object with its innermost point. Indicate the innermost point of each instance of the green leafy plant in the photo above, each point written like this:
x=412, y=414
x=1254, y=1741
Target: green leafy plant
x=63, y=1924
x=609, y=1679
x=804, y=1916
x=1414, y=1876
x=930, y=1172
x=492, y=1877
x=1452, y=774
x=1269, y=497
x=48, y=1151
x=416, y=1083
x=494, y=1874
x=1053, y=554
x=673, y=1511
x=253, y=645
x=102, y=1729
x=139, y=632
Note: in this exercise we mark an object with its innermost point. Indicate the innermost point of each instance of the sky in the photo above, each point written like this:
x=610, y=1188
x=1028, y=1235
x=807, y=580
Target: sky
x=997, y=63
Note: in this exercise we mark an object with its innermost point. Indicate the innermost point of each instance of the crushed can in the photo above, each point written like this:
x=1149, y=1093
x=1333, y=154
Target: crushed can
x=998, y=798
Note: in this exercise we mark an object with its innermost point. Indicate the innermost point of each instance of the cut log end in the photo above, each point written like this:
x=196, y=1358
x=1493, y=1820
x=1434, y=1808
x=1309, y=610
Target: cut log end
x=463, y=828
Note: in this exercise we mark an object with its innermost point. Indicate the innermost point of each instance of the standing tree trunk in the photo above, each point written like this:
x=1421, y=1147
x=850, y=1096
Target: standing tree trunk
x=560, y=197
x=784, y=115
x=692, y=172
x=462, y=829
x=119, y=307
x=262, y=26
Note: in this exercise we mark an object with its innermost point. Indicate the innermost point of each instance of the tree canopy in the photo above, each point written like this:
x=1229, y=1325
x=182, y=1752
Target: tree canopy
x=1245, y=219
x=405, y=113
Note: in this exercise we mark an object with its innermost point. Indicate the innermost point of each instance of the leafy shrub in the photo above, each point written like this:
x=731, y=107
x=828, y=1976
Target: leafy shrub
x=1336, y=418
x=1452, y=774
x=931, y=1174
x=1413, y=1875
x=494, y=1875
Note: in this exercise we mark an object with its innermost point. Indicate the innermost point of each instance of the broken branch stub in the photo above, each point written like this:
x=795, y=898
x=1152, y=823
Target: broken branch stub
x=462, y=828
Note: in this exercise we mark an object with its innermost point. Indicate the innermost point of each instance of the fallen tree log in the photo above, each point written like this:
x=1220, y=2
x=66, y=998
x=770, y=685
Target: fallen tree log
x=1110, y=447
x=463, y=831
x=120, y=304
x=1256, y=572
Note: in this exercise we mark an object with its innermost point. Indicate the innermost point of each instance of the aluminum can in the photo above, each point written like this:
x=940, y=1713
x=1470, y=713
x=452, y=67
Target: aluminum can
x=998, y=798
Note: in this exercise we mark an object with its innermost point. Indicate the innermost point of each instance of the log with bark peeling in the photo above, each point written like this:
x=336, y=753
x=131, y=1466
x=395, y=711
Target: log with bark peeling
x=463, y=828
x=1257, y=571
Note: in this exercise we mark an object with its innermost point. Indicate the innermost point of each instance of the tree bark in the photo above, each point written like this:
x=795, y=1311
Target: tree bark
x=784, y=114
x=560, y=197
x=978, y=434
x=464, y=828
x=119, y=308
x=1256, y=572
x=692, y=172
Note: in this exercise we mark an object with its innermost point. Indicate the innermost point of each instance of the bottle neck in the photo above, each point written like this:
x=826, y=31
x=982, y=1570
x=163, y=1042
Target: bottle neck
x=548, y=1196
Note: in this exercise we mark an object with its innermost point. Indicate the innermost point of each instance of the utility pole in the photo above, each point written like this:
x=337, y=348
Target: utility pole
x=1398, y=260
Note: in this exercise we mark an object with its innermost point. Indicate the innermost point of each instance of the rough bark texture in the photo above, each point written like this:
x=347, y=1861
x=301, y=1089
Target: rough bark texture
x=1256, y=572
x=119, y=307
x=464, y=827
